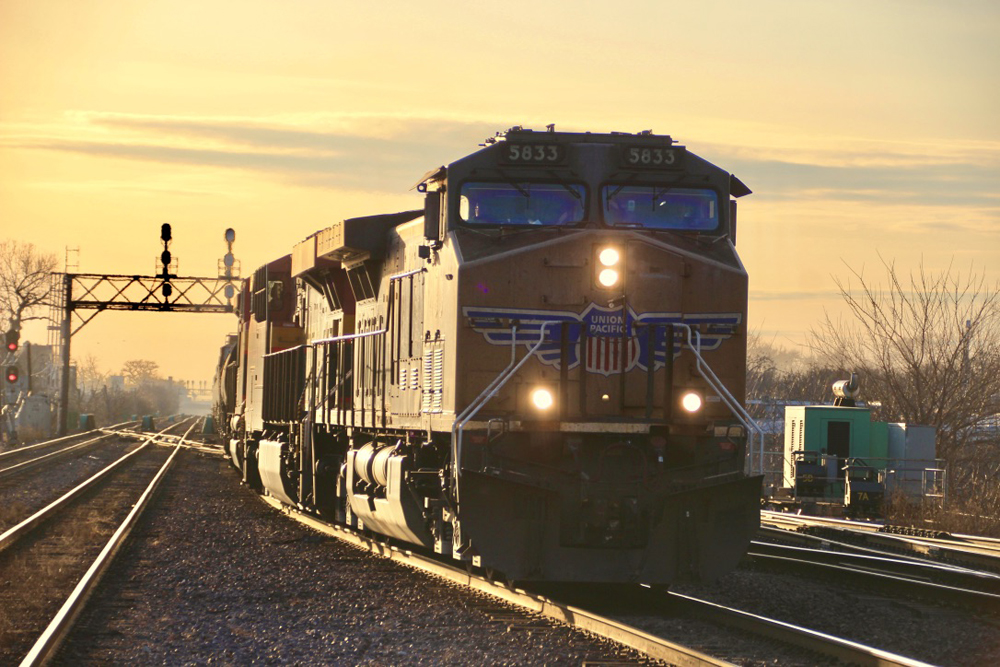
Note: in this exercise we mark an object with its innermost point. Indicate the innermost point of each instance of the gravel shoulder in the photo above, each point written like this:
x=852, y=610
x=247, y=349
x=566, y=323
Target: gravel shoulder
x=214, y=576
x=862, y=612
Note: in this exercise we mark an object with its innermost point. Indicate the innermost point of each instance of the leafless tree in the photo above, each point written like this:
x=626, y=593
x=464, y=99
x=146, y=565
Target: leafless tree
x=927, y=347
x=25, y=281
x=89, y=375
x=139, y=372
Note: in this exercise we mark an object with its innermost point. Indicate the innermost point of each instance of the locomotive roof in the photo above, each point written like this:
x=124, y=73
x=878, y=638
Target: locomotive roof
x=550, y=136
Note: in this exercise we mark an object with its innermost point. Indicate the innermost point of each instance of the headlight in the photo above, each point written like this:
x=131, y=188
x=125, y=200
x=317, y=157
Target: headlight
x=607, y=277
x=542, y=399
x=608, y=267
x=608, y=257
x=692, y=401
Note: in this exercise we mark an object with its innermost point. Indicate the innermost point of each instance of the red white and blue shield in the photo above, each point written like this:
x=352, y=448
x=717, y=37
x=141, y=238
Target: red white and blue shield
x=604, y=355
x=610, y=340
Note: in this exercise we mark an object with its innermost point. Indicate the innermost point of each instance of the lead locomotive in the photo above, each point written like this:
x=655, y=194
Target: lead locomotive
x=536, y=372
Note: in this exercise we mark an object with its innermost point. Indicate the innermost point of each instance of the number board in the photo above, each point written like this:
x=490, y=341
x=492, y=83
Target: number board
x=652, y=157
x=531, y=154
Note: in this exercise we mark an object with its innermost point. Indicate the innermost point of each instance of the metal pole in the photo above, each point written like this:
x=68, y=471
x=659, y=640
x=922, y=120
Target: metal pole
x=27, y=353
x=65, y=335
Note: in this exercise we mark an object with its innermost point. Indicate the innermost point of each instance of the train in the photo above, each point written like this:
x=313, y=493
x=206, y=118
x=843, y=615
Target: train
x=539, y=371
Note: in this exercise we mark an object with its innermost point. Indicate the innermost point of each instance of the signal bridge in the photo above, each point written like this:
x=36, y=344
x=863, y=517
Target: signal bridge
x=164, y=292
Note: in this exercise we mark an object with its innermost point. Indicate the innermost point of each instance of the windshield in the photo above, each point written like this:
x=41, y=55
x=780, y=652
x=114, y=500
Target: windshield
x=655, y=207
x=517, y=203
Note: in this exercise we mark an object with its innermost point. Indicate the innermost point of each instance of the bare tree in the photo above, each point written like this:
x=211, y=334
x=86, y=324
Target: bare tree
x=927, y=347
x=139, y=372
x=89, y=374
x=25, y=281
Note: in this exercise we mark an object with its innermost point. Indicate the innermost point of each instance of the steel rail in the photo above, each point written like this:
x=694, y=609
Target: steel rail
x=50, y=640
x=953, y=550
x=39, y=460
x=800, y=519
x=13, y=534
x=957, y=594
x=49, y=443
x=643, y=642
x=46, y=443
x=842, y=649
x=830, y=548
x=182, y=440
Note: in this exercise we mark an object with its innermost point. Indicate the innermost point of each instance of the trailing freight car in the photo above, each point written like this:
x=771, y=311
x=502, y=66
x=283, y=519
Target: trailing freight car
x=540, y=371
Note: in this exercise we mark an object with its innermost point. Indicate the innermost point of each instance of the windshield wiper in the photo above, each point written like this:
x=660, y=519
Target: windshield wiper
x=657, y=195
x=628, y=182
x=511, y=182
x=565, y=185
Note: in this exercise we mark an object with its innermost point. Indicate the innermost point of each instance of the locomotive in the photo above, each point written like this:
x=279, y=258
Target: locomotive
x=539, y=372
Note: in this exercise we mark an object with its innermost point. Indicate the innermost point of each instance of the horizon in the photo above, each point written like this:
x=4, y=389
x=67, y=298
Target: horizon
x=865, y=132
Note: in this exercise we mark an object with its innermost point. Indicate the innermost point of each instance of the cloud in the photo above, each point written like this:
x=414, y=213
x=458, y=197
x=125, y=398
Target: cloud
x=390, y=152
x=771, y=295
x=960, y=184
x=374, y=153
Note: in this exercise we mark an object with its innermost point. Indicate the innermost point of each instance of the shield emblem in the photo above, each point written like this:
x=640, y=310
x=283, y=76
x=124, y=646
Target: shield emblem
x=604, y=355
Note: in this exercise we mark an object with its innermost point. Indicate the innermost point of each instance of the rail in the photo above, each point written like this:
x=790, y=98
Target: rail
x=650, y=645
x=842, y=649
x=57, y=630
x=655, y=647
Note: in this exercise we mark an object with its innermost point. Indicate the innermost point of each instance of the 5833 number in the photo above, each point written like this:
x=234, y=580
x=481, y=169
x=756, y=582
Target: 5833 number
x=533, y=153
x=645, y=156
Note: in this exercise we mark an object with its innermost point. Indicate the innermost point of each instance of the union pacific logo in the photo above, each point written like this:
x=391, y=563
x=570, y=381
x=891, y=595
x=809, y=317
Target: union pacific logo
x=603, y=339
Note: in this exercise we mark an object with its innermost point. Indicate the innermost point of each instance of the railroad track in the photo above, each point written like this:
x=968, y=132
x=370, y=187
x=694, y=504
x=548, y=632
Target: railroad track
x=805, y=645
x=902, y=576
x=43, y=559
x=961, y=550
x=23, y=459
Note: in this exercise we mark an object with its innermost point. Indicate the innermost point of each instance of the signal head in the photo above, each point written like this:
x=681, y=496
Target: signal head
x=12, y=374
x=165, y=232
x=11, y=339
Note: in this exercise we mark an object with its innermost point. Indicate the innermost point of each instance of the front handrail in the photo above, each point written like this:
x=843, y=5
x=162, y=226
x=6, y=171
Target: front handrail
x=715, y=383
x=694, y=344
x=491, y=390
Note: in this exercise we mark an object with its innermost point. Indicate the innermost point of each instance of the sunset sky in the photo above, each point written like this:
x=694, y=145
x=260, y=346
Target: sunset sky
x=863, y=128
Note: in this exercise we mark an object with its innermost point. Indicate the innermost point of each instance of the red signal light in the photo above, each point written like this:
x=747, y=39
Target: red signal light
x=12, y=337
x=12, y=374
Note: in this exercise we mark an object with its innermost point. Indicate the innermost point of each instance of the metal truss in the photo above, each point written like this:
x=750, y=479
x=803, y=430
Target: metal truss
x=97, y=292
x=100, y=292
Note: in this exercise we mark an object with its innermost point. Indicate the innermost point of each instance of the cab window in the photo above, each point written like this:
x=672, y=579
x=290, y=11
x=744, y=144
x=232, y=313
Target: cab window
x=520, y=203
x=653, y=207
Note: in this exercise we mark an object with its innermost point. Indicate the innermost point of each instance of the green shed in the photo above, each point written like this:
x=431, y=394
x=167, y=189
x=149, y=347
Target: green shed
x=841, y=432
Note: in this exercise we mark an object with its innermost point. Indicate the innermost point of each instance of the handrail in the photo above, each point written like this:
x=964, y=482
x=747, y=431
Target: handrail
x=476, y=405
x=715, y=383
x=337, y=339
x=491, y=390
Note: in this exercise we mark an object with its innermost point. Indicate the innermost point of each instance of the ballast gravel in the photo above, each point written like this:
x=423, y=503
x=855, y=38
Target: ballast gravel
x=859, y=610
x=214, y=576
